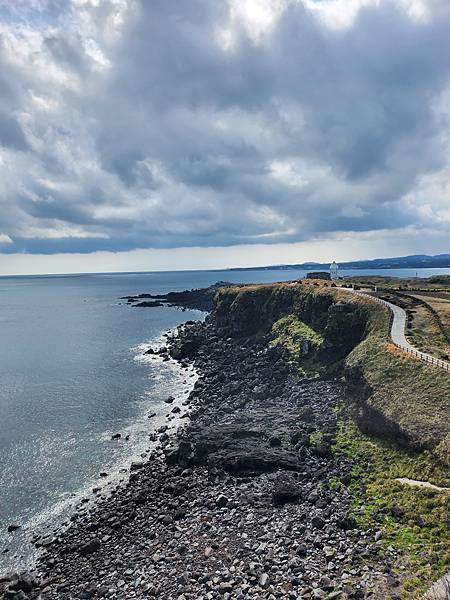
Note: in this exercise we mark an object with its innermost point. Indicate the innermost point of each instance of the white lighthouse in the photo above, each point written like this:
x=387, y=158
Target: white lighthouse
x=334, y=268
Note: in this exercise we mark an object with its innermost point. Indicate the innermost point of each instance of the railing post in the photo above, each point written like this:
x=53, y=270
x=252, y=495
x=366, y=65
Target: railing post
x=421, y=355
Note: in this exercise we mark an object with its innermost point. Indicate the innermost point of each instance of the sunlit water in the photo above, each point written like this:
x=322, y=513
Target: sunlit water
x=72, y=373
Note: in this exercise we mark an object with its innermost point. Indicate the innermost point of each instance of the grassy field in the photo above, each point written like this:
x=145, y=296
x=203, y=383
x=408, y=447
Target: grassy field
x=440, y=302
x=396, y=394
x=423, y=330
x=413, y=521
x=426, y=336
x=437, y=282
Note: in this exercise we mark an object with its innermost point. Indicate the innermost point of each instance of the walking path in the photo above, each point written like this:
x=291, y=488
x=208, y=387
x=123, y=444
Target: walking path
x=425, y=484
x=441, y=589
x=397, y=332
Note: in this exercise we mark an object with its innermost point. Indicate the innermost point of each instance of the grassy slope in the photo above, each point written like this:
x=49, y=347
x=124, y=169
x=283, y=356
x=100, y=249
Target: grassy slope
x=405, y=390
x=301, y=342
x=431, y=283
x=425, y=334
x=414, y=522
x=440, y=303
x=401, y=389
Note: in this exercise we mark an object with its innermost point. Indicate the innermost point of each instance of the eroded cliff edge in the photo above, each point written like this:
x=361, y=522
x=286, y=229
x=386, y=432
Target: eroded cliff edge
x=393, y=394
x=269, y=490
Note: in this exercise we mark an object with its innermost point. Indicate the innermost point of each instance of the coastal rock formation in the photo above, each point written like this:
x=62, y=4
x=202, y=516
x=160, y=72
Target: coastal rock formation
x=197, y=299
x=249, y=499
x=238, y=505
x=393, y=395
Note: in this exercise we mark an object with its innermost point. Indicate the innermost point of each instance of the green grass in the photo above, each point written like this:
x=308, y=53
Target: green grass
x=297, y=337
x=415, y=521
x=403, y=390
x=439, y=282
x=390, y=385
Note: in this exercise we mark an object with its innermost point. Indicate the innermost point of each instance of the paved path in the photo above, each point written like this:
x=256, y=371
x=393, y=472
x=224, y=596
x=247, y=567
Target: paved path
x=441, y=589
x=425, y=484
x=397, y=332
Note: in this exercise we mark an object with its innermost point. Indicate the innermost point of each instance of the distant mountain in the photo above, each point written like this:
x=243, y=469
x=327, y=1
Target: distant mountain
x=415, y=261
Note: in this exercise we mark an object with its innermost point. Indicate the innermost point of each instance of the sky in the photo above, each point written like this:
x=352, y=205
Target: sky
x=183, y=134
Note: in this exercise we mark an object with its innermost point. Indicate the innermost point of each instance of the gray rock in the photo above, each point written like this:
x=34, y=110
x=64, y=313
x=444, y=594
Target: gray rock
x=221, y=501
x=90, y=547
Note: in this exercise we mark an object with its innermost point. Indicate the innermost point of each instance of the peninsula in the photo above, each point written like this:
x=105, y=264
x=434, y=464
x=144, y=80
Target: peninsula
x=313, y=463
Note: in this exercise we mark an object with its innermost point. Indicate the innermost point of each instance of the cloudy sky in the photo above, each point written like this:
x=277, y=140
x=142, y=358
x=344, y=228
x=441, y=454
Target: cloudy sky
x=159, y=134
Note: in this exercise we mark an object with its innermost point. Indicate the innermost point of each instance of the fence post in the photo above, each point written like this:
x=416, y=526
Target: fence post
x=421, y=355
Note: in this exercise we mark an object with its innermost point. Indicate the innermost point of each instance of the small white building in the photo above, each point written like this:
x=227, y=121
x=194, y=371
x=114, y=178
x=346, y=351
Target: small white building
x=334, y=268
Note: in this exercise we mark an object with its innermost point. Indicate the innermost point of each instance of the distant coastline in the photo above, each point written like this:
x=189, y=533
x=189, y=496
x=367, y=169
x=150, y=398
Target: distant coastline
x=419, y=261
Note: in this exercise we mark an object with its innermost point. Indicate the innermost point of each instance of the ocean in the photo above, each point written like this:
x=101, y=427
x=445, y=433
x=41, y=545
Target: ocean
x=72, y=373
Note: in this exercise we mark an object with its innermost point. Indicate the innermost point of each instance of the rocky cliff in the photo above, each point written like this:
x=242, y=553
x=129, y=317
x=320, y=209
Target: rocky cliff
x=249, y=310
x=392, y=394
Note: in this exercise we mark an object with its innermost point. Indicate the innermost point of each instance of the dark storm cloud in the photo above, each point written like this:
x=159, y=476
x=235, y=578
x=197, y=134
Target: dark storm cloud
x=11, y=133
x=135, y=126
x=67, y=52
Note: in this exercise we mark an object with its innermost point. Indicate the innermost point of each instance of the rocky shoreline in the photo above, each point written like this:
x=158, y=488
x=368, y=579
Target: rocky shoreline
x=197, y=299
x=243, y=502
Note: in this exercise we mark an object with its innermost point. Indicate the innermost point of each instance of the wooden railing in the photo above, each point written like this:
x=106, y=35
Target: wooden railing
x=436, y=316
x=437, y=362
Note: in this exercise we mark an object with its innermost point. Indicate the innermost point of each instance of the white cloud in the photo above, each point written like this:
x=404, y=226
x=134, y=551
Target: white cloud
x=287, y=173
x=125, y=125
x=341, y=14
x=338, y=14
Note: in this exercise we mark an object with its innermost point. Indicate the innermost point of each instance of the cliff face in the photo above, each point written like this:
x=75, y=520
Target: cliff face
x=334, y=315
x=393, y=394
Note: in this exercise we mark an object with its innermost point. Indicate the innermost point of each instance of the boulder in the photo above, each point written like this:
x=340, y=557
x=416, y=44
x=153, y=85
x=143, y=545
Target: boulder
x=285, y=490
x=221, y=501
x=318, y=522
x=90, y=547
